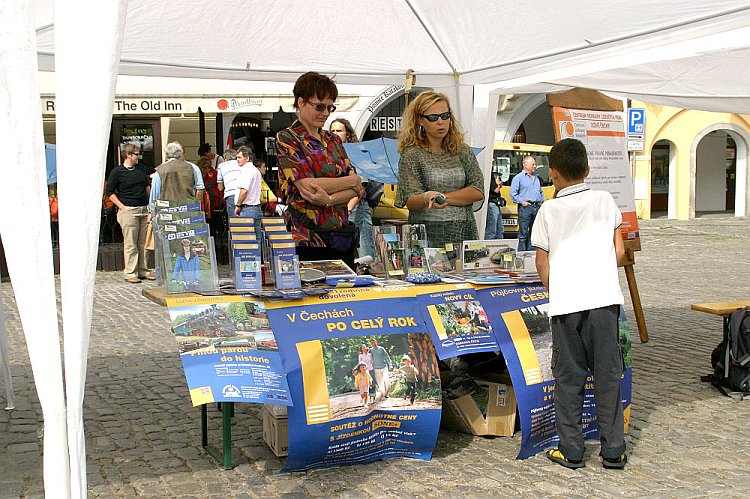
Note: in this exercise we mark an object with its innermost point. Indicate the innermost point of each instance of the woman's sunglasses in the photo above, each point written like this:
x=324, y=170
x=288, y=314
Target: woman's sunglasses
x=432, y=118
x=320, y=107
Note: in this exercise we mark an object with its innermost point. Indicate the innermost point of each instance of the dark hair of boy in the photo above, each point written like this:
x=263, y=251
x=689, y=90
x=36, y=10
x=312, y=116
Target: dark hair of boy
x=569, y=158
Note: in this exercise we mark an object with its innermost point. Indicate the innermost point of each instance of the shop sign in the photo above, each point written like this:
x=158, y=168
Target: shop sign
x=385, y=124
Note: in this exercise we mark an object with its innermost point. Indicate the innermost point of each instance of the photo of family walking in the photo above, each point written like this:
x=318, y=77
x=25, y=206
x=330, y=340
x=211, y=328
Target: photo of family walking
x=381, y=372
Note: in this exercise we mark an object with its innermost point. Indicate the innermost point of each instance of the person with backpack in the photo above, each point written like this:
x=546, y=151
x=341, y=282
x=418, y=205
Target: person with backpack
x=360, y=207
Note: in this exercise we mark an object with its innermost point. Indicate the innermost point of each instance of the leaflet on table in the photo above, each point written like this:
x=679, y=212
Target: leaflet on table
x=247, y=266
x=519, y=318
x=285, y=265
x=334, y=421
x=241, y=221
x=490, y=254
x=457, y=323
x=164, y=205
x=188, y=258
x=329, y=267
x=228, y=350
x=184, y=217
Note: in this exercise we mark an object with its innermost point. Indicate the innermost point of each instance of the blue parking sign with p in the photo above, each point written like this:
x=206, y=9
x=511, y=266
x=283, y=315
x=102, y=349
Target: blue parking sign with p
x=636, y=121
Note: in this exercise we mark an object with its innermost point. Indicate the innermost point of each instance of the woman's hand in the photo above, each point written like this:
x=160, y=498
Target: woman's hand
x=313, y=193
x=429, y=200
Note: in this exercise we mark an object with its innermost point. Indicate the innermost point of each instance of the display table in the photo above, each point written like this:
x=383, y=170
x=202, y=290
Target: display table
x=305, y=354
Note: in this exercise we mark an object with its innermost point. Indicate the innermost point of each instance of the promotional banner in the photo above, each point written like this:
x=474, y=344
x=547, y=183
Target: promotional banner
x=228, y=350
x=603, y=134
x=363, y=375
x=520, y=321
x=457, y=322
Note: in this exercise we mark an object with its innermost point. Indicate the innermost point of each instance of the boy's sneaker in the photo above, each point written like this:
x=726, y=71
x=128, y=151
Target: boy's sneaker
x=558, y=457
x=617, y=463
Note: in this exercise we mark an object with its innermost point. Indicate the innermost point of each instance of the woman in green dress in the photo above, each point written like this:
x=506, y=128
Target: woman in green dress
x=438, y=175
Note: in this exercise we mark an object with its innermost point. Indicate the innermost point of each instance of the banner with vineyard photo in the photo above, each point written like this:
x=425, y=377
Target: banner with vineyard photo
x=228, y=350
x=363, y=376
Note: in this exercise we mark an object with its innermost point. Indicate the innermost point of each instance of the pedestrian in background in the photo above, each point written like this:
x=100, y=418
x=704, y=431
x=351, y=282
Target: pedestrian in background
x=526, y=192
x=494, y=228
x=128, y=188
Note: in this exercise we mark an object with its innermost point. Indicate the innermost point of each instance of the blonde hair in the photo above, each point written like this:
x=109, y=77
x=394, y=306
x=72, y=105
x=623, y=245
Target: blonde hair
x=412, y=133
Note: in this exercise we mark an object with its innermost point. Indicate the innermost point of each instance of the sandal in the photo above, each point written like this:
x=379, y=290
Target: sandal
x=558, y=457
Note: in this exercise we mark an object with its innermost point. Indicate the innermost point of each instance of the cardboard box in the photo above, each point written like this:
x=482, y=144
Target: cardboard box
x=489, y=412
x=276, y=410
x=276, y=433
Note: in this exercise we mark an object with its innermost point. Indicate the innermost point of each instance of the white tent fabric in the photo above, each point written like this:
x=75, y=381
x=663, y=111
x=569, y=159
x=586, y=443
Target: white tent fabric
x=678, y=52
x=95, y=53
x=27, y=240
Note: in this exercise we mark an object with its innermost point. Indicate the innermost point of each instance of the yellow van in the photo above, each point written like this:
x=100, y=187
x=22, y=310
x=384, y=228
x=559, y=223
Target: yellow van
x=507, y=161
x=385, y=208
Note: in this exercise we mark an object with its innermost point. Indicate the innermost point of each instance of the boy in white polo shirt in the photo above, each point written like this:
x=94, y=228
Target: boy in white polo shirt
x=578, y=246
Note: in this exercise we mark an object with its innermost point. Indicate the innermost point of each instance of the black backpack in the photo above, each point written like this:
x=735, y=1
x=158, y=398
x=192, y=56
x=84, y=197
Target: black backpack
x=373, y=192
x=731, y=358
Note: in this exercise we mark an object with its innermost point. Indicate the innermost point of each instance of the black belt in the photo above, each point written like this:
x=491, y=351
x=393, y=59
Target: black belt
x=535, y=203
x=250, y=205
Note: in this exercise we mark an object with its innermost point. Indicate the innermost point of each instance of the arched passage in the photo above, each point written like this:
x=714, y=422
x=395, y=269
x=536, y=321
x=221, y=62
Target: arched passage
x=719, y=170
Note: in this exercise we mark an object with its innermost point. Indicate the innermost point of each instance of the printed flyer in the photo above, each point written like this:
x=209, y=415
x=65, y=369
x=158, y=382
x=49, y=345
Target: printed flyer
x=457, y=322
x=603, y=134
x=520, y=321
x=228, y=350
x=364, y=378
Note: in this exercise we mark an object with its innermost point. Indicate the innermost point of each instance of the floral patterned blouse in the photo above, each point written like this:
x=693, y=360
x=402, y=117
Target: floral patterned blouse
x=300, y=155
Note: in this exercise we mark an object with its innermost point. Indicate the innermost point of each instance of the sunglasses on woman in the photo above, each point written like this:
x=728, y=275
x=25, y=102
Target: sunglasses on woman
x=432, y=118
x=320, y=107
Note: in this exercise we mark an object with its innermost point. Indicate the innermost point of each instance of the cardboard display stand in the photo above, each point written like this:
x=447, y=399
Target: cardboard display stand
x=596, y=119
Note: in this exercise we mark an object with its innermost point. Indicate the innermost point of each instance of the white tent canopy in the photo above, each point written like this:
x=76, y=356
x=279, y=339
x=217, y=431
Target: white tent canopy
x=678, y=52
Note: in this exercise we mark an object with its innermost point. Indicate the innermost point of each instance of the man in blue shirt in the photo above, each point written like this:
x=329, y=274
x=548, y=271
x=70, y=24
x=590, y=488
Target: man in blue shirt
x=526, y=192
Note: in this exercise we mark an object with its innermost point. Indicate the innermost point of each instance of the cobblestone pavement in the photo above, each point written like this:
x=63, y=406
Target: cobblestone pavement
x=143, y=436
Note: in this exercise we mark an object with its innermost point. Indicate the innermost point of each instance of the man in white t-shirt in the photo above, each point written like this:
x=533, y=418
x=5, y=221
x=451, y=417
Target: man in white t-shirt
x=578, y=246
x=227, y=179
x=247, y=196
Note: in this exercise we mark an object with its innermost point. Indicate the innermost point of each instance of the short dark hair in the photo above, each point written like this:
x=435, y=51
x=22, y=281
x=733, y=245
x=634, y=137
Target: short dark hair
x=569, y=158
x=312, y=84
x=245, y=152
x=204, y=148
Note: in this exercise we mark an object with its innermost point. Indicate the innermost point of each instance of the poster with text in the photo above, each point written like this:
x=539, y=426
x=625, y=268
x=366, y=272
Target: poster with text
x=457, y=322
x=228, y=350
x=364, y=378
x=603, y=134
x=520, y=321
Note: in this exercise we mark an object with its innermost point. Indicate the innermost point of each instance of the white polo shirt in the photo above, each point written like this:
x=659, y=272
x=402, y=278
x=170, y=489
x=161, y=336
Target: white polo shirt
x=577, y=230
x=249, y=180
x=228, y=173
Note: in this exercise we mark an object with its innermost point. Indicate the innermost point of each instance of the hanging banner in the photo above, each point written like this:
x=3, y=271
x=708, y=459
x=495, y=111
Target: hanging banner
x=603, y=134
x=363, y=375
x=457, y=322
x=520, y=321
x=228, y=350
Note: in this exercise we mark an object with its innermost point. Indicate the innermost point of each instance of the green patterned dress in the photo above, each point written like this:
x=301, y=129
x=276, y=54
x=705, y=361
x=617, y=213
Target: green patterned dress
x=419, y=171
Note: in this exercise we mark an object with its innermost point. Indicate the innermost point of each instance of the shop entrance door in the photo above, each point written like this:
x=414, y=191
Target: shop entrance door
x=146, y=134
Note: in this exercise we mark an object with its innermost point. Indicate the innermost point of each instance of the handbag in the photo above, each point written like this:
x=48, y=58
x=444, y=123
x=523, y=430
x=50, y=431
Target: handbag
x=344, y=238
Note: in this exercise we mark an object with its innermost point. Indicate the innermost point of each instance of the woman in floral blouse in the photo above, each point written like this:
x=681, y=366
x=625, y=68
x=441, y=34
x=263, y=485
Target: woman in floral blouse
x=315, y=175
